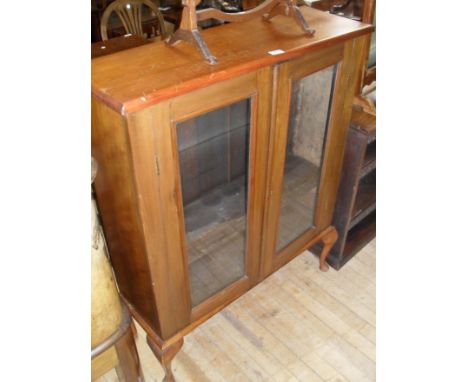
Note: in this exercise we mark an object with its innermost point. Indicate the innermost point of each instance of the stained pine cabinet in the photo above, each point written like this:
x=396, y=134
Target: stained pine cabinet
x=213, y=177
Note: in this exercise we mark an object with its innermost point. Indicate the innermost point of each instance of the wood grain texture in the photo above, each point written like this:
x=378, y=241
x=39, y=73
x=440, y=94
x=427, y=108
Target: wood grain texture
x=299, y=325
x=131, y=80
x=153, y=155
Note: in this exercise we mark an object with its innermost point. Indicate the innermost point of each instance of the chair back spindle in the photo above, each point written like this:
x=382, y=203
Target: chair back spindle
x=130, y=15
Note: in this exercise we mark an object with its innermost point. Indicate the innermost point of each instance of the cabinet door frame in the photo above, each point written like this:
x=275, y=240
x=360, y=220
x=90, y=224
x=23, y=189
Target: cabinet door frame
x=255, y=86
x=340, y=113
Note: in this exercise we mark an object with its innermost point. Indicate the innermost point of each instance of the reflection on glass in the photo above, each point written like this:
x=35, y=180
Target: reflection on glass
x=213, y=155
x=308, y=119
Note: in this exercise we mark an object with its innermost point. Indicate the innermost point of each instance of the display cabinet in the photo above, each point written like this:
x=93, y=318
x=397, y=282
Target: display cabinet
x=214, y=176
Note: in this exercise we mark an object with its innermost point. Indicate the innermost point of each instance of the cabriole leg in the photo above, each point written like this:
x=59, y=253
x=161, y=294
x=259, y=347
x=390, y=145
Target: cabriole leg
x=165, y=356
x=329, y=239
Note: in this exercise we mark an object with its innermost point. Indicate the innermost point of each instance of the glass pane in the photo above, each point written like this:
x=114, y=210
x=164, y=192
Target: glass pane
x=308, y=119
x=213, y=154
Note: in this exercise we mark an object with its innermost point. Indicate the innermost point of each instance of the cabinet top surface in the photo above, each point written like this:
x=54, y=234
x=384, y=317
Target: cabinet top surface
x=133, y=79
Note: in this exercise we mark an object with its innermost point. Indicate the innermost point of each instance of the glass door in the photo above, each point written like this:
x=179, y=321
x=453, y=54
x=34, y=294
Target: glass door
x=220, y=145
x=306, y=132
x=213, y=153
x=302, y=169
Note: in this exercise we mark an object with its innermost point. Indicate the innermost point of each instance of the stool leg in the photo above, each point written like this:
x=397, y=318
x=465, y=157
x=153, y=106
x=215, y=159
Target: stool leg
x=129, y=369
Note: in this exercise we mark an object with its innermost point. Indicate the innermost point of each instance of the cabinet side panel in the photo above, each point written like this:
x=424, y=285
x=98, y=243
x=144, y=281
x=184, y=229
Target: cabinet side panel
x=117, y=201
x=154, y=162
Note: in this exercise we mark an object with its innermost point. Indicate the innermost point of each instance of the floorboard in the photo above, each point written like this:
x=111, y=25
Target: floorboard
x=297, y=325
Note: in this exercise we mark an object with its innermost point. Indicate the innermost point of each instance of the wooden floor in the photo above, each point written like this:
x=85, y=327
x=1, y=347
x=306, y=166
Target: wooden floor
x=298, y=325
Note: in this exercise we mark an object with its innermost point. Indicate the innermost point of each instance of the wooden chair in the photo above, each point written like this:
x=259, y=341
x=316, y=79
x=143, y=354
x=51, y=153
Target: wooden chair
x=130, y=15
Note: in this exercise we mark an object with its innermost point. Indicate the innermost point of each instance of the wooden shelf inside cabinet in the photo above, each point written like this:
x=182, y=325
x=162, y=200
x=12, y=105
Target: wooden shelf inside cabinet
x=358, y=236
x=369, y=162
x=365, y=201
x=355, y=209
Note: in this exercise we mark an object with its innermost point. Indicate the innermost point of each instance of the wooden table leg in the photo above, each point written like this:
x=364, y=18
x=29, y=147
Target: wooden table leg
x=165, y=356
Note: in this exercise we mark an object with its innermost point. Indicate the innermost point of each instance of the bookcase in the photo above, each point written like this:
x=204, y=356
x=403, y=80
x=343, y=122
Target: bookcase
x=215, y=176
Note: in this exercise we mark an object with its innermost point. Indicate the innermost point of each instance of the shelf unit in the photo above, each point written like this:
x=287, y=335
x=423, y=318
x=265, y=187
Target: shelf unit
x=355, y=210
